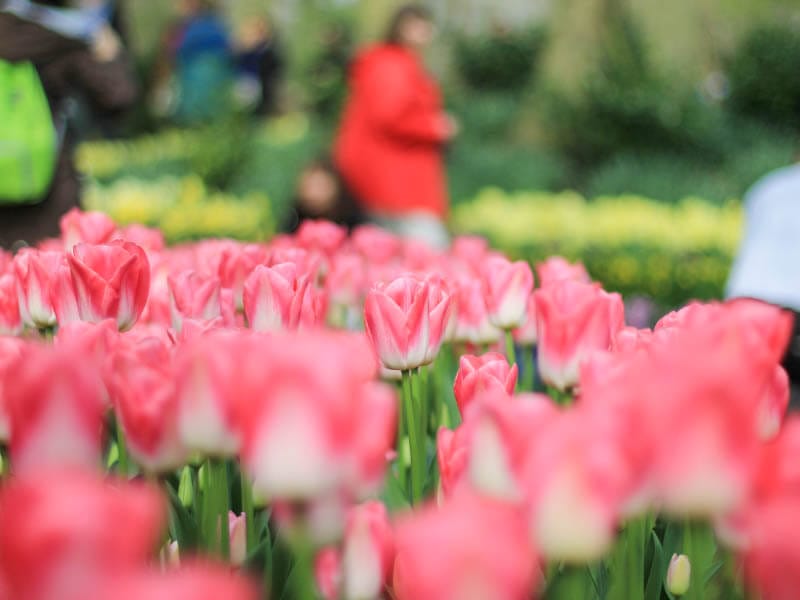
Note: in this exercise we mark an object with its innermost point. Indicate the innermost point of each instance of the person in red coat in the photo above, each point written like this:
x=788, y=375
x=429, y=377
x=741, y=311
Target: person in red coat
x=389, y=147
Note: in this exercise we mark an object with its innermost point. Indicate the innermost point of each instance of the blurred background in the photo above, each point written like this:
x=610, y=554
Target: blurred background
x=623, y=133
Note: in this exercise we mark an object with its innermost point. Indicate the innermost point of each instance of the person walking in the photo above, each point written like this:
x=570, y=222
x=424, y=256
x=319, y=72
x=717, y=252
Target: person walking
x=46, y=55
x=389, y=147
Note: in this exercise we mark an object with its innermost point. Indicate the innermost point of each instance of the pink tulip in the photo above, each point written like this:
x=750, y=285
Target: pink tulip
x=78, y=227
x=471, y=250
x=375, y=244
x=323, y=236
x=368, y=552
x=328, y=573
x=63, y=531
x=472, y=322
x=346, y=282
x=774, y=403
x=442, y=316
x=469, y=548
x=111, y=281
x=193, y=296
x=142, y=387
x=397, y=317
x=55, y=402
x=10, y=320
x=507, y=289
x=278, y=297
x=526, y=335
x=149, y=239
x=237, y=534
x=236, y=264
x=557, y=268
x=573, y=320
x=489, y=375
x=376, y=427
x=10, y=350
x=191, y=582
x=34, y=271
x=64, y=295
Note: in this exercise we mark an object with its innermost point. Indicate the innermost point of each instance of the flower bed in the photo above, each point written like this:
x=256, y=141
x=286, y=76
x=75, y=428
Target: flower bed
x=183, y=208
x=359, y=417
x=670, y=252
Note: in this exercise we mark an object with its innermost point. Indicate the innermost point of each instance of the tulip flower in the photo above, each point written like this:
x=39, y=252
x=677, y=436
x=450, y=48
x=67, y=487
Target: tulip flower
x=471, y=250
x=573, y=320
x=112, y=281
x=278, y=297
x=33, y=270
x=236, y=264
x=368, y=552
x=192, y=296
x=507, y=289
x=557, y=268
x=78, y=227
x=472, y=322
x=142, y=388
x=327, y=573
x=375, y=244
x=10, y=320
x=10, y=350
x=489, y=375
x=441, y=316
x=55, y=402
x=237, y=534
x=149, y=239
x=62, y=532
x=678, y=575
x=320, y=235
x=397, y=318
x=526, y=334
x=468, y=548
x=774, y=402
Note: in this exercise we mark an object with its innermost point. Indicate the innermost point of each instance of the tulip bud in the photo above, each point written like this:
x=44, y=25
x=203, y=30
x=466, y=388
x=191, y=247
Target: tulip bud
x=237, y=533
x=186, y=487
x=678, y=575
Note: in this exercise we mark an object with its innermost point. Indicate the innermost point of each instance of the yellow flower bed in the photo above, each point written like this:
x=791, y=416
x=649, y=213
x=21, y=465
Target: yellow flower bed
x=102, y=159
x=671, y=252
x=183, y=208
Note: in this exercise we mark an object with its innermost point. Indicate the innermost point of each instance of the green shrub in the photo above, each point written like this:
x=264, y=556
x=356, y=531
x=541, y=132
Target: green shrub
x=499, y=61
x=764, y=75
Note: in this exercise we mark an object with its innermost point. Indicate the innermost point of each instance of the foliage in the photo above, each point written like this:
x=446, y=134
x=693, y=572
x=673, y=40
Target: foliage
x=499, y=61
x=764, y=78
x=184, y=209
x=670, y=252
x=325, y=79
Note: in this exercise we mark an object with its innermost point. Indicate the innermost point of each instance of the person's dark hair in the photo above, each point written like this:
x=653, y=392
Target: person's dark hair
x=403, y=14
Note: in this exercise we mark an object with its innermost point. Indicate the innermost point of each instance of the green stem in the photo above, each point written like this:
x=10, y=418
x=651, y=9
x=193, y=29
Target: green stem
x=700, y=547
x=412, y=427
x=216, y=505
x=302, y=579
x=511, y=352
x=529, y=375
x=247, y=509
x=122, y=452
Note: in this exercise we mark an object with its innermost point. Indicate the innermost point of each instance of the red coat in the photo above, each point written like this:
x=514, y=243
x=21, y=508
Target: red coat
x=389, y=145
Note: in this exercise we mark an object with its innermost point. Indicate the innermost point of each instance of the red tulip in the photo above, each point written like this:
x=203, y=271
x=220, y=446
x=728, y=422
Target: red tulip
x=469, y=548
x=193, y=296
x=56, y=406
x=557, y=268
x=34, y=271
x=62, y=531
x=397, y=317
x=78, y=227
x=507, y=289
x=278, y=297
x=111, y=281
x=472, y=323
x=142, y=387
x=10, y=320
x=573, y=320
x=489, y=375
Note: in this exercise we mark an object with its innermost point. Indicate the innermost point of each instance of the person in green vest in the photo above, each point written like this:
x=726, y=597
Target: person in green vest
x=48, y=53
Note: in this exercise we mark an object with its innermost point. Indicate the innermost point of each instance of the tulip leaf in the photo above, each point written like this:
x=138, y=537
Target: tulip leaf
x=182, y=523
x=658, y=567
x=394, y=493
